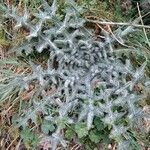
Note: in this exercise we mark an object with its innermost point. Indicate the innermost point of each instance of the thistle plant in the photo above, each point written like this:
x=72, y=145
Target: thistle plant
x=83, y=77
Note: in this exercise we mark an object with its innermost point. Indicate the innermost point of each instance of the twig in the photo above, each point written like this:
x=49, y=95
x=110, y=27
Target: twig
x=18, y=145
x=114, y=36
x=143, y=24
x=134, y=24
x=76, y=145
x=11, y=143
x=119, y=23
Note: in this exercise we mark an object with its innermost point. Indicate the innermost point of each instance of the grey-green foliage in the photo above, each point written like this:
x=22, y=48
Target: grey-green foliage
x=83, y=64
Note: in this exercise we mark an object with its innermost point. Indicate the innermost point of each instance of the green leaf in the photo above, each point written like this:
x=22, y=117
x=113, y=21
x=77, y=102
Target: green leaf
x=99, y=124
x=69, y=134
x=26, y=134
x=29, y=137
x=109, y=127
x=47, y=126
x=117, y=139
x=81, y=129
x=95, y=136
x=62, y=123
x=105, y=137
